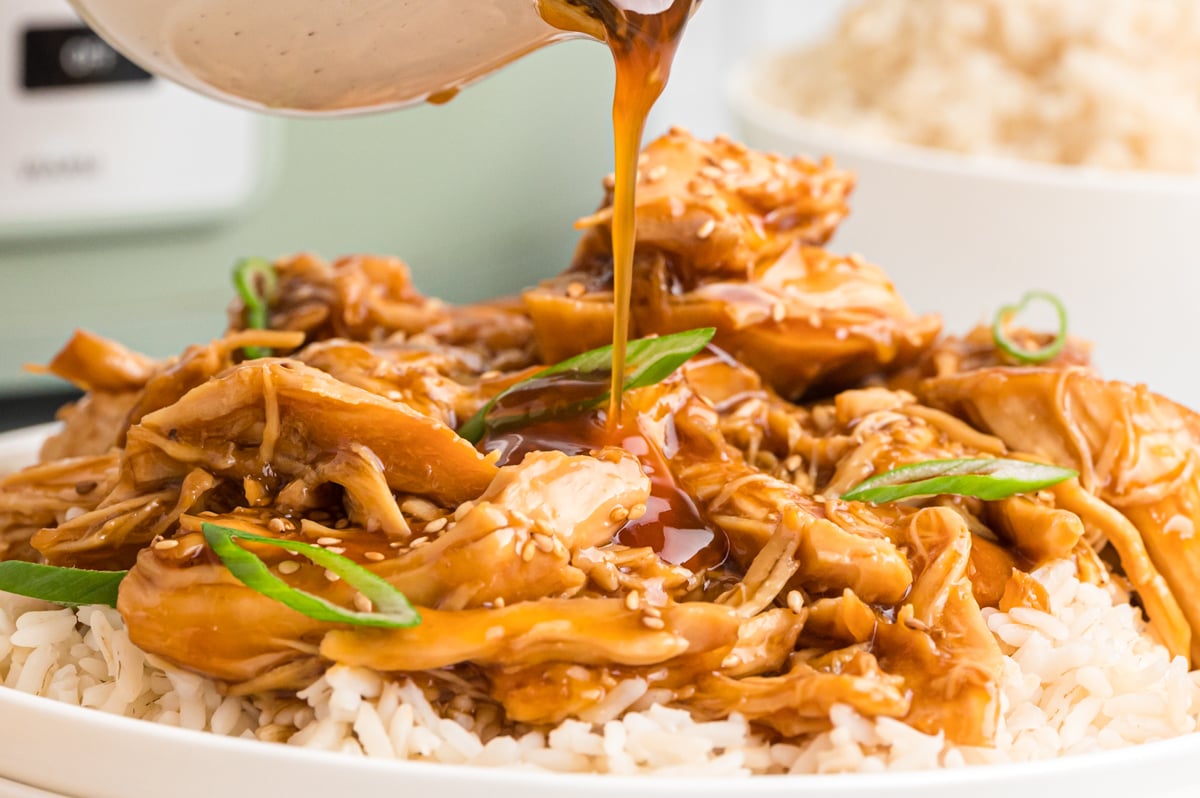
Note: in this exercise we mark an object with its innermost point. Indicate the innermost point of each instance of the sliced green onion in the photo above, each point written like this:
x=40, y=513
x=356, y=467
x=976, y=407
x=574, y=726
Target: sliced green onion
x=1014, y=349
x=73, y=587
x=987, y=478
x=256, y=283
x=648, y=361
x=392, y=609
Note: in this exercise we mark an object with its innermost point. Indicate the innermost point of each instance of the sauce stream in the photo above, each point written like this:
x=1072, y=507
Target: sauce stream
x=643, y=48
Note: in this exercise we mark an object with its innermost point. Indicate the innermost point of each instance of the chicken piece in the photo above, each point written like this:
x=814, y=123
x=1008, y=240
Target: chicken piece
x=551, y=693
x=799, y=701
x=1041, y=533
x=284, y=414
x=846, y=620
x=93, y=363
x=750, y=506
x=575, y=499
x=179, y=604
x=580, y=630
x=48, y=494
x=368, y=499
x=1134, y=450
x=723, y=207
x=362, y=297
x=200, y=363
x=110, y=536
x=510, y=546
x=431, y=381
x=372, y=299
x=977, y=350
x=1166, y=610
x=112, y=375
x=264, y=420
x=726, y=238
x=990, y=568
x=516, y=542
x=939, y=641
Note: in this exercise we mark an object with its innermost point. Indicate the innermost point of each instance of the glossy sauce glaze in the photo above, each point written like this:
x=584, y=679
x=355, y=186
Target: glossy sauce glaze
x=669, y=523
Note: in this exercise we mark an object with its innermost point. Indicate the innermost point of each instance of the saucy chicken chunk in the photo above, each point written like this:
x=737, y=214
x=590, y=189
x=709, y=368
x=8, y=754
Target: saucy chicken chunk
x=731, y=238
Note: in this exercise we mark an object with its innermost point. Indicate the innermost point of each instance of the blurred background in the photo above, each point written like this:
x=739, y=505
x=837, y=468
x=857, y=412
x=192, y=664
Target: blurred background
x=124, y=201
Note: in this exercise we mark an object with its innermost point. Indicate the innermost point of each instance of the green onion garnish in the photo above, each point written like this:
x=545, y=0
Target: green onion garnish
x=73, y=587
x=987, y=478
x=1014, y=349
x=392, y=610
x=256, y=283
x=648, y=361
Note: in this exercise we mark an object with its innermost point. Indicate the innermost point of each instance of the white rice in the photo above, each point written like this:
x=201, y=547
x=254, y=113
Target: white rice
x=1086, y=678
x=1108, y=83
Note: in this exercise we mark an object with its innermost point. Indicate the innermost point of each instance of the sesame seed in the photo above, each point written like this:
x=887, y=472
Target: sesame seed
x=277, y=525
x=420, y=509
x=795, y=601
x=657, y=173
x=494, y=633
x=711, y=172
x=633, y=600
x=730, y=165
x=778, y=311
x=528, y=551
x=619, y=514
x=653, y=623
x=543, y=542
x=328, y=541
x=421, y=541
x=653, y=612
x=732, y=661
x=336, y=549
x=576, y=290
x=594, y=694
x=436, y=525
x=637, y=511
x=288, y=567
x=374, y=556
x=164, y=545
x=331, y=576
x=362, y=603
x=342, y=524
x=706, y=229
x=499, y=603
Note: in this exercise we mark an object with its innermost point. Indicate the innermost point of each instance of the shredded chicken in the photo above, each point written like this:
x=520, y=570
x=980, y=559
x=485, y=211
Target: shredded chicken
x=698, y=544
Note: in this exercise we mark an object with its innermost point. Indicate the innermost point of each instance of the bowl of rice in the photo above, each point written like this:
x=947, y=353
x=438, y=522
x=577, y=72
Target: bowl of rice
x=1056, y=141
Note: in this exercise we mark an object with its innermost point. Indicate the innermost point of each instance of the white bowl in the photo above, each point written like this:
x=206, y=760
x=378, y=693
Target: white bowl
x=963, y=235
x=65, y=750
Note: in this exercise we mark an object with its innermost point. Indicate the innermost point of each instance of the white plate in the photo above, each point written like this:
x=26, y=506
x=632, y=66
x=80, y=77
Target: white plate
x=70, y=751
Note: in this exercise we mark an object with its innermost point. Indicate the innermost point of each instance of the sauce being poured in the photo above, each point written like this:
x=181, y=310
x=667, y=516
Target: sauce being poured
x=643, y=46
x=643, y=49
